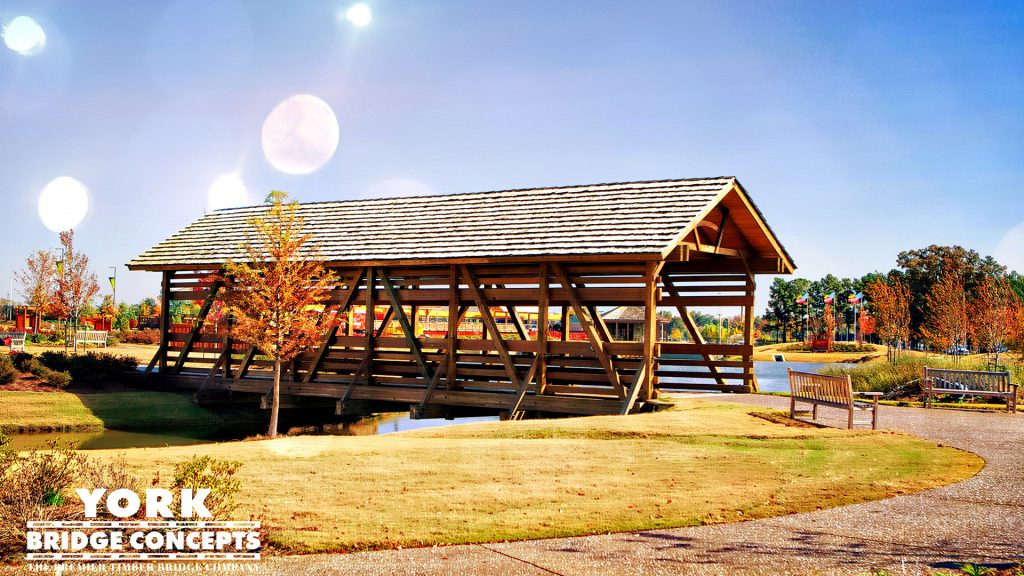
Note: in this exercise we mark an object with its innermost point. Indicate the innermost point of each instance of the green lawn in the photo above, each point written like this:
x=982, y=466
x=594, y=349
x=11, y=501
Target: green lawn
x=702, y=462
x=131, y=410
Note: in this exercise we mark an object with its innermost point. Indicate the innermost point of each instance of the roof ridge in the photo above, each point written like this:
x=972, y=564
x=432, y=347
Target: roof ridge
x=483, y=192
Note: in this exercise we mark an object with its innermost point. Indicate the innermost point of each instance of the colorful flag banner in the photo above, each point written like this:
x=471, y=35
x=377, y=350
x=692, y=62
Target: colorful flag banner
x=113, y=282
x=829, y=298
x=856, y=298
x=802, y=299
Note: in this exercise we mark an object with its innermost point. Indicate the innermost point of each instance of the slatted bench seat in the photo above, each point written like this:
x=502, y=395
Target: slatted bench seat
x=968, y=383
x=97, y=337
x=17, y=340
x=833, y=392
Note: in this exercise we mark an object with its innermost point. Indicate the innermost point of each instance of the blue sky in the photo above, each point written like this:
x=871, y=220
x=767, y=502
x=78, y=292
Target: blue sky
x=860, y=129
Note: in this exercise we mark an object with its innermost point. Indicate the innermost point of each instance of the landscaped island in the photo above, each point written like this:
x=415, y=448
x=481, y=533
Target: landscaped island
x=701, y=462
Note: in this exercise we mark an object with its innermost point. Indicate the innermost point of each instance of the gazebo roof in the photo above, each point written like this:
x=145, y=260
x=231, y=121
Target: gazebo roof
x=627, y=314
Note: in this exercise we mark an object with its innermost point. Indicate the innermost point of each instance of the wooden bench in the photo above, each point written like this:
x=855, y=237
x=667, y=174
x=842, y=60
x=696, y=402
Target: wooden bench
x=17, y=340
x=831, y=391
x=91, y=337
x=968, y=383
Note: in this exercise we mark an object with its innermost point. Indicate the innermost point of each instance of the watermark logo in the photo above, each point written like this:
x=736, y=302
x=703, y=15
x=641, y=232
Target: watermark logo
x=190, y=535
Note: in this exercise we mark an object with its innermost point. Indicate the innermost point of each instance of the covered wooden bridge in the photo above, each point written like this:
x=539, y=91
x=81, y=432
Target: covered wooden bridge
x=676, y=244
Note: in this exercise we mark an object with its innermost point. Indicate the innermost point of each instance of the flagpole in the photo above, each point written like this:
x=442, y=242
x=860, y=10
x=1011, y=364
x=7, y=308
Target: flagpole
x=113, y=284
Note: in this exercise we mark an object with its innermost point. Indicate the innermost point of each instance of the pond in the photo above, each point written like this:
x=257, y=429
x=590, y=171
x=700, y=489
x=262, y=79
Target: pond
x=119, y=439
x=771, y=377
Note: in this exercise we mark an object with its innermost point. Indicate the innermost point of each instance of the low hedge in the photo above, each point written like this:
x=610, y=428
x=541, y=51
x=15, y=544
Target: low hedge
x=91, y=367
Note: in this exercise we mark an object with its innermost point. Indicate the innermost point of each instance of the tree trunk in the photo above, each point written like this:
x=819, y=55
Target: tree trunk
x=275, y=402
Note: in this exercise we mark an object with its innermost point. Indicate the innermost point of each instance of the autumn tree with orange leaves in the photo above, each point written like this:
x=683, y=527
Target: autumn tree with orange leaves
x=37, y=280
x=829, y=321
x=993, y=314
x=947, y=325
x=76, y=284
x=866, y=324
x=1016, y=336
x=890, y=301
x=275, y=292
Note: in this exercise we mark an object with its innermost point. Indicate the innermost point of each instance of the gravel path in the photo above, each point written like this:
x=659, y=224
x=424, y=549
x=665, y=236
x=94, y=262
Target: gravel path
x=978, y=520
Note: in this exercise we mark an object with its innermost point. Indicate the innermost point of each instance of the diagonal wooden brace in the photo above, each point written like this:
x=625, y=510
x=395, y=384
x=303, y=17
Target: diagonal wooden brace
x=694, y=330
x=407, y=329
x=485, y=314
x=595, y=340
x=634, y=389
x=325, y=345
x=521, y=392
x=198, y=329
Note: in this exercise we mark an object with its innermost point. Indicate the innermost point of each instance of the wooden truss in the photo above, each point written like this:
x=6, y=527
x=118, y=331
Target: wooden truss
x=511, y=372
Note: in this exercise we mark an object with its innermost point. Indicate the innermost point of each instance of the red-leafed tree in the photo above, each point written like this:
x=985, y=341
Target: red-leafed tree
x=38, y=279
x=946, y=324
x=867, y=323
x=993, y=313
x=1016, y=339
x=76, y=284
x=274, y=293
x=829, y=321
x=890, y=301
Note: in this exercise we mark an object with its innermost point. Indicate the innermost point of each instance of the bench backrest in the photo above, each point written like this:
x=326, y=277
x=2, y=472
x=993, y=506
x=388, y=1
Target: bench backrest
x=17, y=340
x=91, y=336
x=834, y=389
x=967, y=380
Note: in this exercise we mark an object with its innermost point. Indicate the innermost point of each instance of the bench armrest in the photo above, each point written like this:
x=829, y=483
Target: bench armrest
x=868, y=393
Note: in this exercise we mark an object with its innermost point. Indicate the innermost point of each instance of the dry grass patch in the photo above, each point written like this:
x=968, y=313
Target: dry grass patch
x=121, y=410
x=701, y=463
x=767, y=354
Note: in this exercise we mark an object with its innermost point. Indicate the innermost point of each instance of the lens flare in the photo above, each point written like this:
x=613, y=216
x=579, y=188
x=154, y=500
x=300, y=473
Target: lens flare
x=300, y=135
x=227, y=191
x=63, y=204
x=359, y=15
x=24, y=35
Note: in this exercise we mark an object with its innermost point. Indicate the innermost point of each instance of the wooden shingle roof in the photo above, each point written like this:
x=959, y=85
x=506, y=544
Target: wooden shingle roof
x=634, y=218
x=625, y=313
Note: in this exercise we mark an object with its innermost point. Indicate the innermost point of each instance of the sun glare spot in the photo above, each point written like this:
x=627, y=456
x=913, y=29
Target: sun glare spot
x=300, y=134
x=24, y=35
x=227, y=191
x=1010, y=250
x=359, y=15
x=63, y=204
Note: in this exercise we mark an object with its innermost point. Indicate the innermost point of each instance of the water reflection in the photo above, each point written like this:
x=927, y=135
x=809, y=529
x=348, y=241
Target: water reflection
x=771, y=377
x=117, y=439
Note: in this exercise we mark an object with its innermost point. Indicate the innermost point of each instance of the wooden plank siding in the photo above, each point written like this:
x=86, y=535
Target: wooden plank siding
x=595, y=373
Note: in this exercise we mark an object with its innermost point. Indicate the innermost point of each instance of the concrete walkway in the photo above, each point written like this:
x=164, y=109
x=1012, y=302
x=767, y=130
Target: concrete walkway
x=978, y=520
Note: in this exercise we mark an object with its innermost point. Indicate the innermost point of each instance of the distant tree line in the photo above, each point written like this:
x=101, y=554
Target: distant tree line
x=946, y=297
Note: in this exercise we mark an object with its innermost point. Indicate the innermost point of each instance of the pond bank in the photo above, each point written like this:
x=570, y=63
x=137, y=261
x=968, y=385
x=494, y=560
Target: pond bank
x=702, y=462
x=139, y=410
